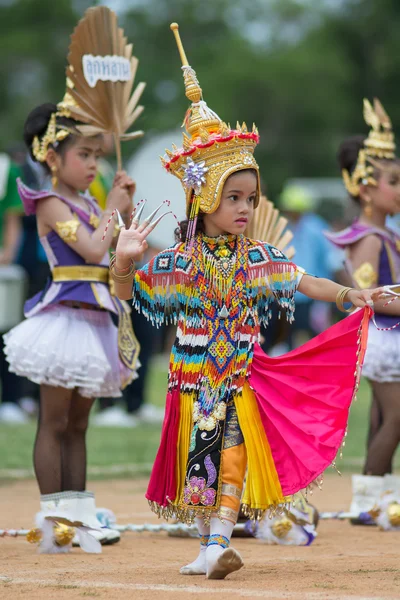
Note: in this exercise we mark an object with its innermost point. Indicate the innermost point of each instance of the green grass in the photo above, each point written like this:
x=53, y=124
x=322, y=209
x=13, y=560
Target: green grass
x=109, y=446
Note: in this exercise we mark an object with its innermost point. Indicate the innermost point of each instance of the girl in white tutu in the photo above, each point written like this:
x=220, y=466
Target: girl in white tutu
x=77, y=341
x=371, y=174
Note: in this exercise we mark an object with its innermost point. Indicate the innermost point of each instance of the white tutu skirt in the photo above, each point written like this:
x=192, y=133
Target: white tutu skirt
x=70, y=348
x=382, y=358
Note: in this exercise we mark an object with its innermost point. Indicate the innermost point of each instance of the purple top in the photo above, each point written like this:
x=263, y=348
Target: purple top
x=61, y=254
x=389, y=259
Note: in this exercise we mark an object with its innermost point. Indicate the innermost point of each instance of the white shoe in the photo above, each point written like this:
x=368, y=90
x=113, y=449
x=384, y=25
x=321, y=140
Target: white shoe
x=391, y=483
x=86, y=506
x=11, y=413
x=105, y=536
x=64, y=507
x=114, y=416
x=148, y=413
x=367, y=490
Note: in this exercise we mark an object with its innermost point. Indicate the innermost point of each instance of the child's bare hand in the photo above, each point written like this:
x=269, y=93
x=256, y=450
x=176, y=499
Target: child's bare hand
x=360, y=298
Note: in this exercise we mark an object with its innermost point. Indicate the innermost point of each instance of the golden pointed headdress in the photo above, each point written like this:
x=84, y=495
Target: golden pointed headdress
x=211, y=149
x=379, y=144
x=55, y=132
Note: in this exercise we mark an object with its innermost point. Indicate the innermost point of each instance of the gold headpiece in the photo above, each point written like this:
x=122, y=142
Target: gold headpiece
x=379, y=144
x=211, y=152
x=54, y=133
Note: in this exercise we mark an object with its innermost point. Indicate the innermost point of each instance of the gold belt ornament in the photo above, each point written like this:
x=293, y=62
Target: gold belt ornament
x=81, y=273
x=128, y=345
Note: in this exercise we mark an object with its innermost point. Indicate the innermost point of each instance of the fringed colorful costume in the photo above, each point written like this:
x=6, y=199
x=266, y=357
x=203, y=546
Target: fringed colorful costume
x=226, y=398
x=229, y=407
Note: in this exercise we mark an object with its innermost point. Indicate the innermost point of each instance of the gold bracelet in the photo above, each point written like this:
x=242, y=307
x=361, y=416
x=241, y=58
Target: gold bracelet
x=117, y=277
x=340, y=300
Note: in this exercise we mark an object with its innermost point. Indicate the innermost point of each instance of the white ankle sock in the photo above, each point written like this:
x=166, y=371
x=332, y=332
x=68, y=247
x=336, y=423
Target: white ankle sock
x=220, y=559
x=220, y=536
x=198, y=566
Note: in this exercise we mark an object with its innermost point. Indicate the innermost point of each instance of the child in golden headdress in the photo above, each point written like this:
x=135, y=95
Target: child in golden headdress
x=371, y=173
x=230, y=407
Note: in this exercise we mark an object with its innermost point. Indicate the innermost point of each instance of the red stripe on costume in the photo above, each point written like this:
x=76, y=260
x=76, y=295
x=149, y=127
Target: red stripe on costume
x=162, y=484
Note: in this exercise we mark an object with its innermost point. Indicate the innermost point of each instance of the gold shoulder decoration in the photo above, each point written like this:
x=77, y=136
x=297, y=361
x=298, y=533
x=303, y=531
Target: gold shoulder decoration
x=67, y=229
x=365, y=276
x=94, y=220
x=379, y=144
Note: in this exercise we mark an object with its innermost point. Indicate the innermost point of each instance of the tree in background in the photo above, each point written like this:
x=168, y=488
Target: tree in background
x=298, y=68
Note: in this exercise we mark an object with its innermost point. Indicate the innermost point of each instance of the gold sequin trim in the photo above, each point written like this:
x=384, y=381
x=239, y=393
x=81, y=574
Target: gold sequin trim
x=228, y=513
x=231, y=490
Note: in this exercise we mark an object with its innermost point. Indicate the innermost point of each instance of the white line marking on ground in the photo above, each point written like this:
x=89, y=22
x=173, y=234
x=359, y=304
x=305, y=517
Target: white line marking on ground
x=275, y=595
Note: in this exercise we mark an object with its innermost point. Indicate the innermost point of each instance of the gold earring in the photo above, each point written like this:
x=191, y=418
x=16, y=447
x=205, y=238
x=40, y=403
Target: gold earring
x=54, y=178
x=368, y=208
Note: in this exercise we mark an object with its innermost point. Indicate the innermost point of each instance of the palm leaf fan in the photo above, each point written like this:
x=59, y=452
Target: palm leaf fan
x=269, y=226
x=101, y=74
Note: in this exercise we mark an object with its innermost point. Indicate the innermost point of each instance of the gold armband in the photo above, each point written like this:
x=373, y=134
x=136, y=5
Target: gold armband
x=94, y=220
x=67, y=229
x=340, y=300
x=124, y=276
x=365, y=276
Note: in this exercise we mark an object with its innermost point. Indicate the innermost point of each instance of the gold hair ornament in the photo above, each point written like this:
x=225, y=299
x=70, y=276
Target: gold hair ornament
x=379, y=144
x=53, y=135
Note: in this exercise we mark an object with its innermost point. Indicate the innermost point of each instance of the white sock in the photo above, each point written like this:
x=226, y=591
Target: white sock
x=198, y=566
x=220, y=536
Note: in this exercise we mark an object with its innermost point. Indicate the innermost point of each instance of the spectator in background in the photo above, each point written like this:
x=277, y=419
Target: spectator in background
x=315, y=254
x=10, y=231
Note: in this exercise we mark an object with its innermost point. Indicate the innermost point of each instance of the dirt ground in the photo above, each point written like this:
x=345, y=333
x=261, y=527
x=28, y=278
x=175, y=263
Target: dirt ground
x=344, y=562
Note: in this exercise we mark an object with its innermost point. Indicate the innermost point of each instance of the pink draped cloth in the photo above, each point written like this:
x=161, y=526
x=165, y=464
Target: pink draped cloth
x=304, y=399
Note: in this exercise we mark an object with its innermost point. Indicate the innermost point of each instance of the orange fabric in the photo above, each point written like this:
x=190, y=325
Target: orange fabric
x=233, y=470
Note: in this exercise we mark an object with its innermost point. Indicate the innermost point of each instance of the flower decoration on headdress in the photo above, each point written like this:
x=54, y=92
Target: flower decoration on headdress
x=379, y=144
x=211, y=149
x=194, y=174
